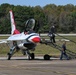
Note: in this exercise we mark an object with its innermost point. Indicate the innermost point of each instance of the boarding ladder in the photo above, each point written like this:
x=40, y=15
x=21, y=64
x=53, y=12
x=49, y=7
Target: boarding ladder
x=70, y=53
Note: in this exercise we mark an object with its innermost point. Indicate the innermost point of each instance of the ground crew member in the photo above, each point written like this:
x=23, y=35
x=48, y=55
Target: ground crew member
x=63, y=51
x=52, y=34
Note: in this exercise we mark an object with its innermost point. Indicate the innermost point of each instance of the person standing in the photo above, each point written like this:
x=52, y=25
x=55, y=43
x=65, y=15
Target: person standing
x=52, y=34
x=63, y=51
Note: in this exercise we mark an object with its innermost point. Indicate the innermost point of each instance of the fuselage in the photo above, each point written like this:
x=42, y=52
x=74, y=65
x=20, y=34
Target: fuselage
x=25, y=40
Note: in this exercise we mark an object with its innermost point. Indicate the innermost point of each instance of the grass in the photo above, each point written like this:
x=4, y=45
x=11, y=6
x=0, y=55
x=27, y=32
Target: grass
x=4, y=37
x=42, y=49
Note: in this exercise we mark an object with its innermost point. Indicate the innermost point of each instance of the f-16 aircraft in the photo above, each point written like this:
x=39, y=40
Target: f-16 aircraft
x=24, y=41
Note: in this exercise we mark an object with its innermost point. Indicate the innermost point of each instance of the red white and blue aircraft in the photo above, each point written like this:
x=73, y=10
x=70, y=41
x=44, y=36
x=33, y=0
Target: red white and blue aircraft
x=24, y=41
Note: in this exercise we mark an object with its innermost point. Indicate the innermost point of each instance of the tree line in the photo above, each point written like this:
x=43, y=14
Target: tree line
x=62, y=17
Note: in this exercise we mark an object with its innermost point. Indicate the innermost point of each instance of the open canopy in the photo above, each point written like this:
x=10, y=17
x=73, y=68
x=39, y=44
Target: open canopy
x=32, y=24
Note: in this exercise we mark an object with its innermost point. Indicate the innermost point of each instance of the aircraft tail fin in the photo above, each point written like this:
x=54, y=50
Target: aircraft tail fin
x=13, y=25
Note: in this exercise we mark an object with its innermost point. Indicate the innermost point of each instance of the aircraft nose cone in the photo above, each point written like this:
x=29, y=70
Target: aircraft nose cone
x=36, y=39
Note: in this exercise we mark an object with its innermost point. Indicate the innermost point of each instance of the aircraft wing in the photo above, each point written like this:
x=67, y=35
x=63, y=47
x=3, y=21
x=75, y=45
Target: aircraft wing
x=17, y=37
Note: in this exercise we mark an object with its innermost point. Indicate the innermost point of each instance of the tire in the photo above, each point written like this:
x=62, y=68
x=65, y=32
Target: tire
x=46, y=57
x=32, y=56
x=9, y=56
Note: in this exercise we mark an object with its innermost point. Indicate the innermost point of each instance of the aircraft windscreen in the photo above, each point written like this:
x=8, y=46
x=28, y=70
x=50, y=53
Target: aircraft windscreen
x=30, y=24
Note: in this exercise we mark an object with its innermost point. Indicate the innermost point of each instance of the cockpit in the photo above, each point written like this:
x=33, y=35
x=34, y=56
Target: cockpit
x=31, y=26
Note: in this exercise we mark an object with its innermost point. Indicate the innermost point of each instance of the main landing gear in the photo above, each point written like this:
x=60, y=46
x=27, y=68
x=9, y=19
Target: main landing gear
x=32, y=56
x=9, y=56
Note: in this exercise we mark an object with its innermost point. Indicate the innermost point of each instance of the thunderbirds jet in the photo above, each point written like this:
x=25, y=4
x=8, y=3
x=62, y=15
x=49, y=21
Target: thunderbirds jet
x=25, y=41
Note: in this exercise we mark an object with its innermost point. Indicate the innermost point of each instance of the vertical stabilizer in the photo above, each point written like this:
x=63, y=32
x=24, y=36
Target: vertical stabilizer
x=13, y=25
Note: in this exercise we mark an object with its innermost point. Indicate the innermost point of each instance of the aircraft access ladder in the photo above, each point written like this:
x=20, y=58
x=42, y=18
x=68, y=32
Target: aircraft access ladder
x=69, y=52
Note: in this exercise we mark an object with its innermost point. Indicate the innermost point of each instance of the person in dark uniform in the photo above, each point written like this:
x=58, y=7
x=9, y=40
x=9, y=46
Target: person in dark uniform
x=63, y=51
x=52, y=34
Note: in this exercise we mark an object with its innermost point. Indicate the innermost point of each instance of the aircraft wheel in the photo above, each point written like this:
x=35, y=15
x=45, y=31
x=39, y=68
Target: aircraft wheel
x=32, y=56
x=9, y=56
x=46, y=57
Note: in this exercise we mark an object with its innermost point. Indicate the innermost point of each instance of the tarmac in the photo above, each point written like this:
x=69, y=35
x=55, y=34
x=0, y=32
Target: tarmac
x=23, y=66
